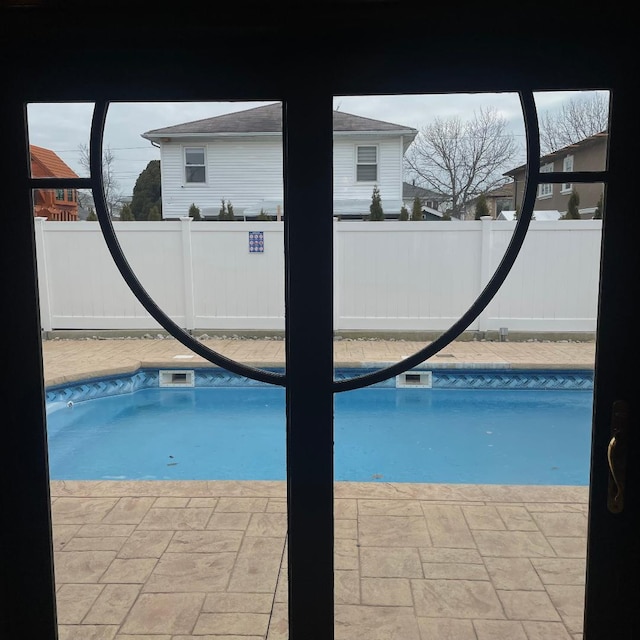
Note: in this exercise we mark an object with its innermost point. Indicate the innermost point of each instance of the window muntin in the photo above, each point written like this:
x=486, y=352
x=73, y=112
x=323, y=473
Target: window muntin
x=545, y=190
x=567, y=165
x=194, y=165
x=367, y=163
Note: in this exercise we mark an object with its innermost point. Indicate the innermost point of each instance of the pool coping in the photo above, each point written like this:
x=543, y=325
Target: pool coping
x=446, y=492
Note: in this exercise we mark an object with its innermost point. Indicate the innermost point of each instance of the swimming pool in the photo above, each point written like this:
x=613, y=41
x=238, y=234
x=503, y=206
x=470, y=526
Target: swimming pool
x=470, y=426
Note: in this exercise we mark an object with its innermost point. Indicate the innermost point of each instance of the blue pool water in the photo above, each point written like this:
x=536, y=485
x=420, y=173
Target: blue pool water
x=445, y=435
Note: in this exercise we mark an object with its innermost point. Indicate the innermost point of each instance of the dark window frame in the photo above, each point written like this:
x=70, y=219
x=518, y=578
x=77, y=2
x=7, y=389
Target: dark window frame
x=393, y=67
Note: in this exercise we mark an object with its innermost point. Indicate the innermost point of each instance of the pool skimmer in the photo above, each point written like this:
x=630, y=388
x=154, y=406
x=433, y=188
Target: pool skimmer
x=176, y=378
x=419, y=379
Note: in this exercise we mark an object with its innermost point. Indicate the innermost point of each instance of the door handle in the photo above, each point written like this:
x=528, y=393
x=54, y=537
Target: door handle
x=617, y=456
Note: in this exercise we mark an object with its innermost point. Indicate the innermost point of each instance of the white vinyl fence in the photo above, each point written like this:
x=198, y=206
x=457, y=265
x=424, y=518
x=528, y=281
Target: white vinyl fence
x=388, y=276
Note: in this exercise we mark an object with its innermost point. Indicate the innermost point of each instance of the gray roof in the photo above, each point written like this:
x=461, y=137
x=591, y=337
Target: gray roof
x=268, y=119
x=503, y=191
x=585, y=142
x=412, y=190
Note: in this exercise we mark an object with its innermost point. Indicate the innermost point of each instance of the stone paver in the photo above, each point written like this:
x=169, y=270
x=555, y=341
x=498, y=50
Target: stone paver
x=113, y=604
x=164, y=612
x=391, y=581
x=189, y=572
x=182, y=560
x=74, y=600
x=448, y=598
x=67, y=360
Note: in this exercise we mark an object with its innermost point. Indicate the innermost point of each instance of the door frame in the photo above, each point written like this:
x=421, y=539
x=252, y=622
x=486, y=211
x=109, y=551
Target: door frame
x=340, y=60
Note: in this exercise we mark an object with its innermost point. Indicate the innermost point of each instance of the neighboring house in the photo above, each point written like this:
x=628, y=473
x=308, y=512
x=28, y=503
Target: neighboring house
x=237, y=157
x=86, y=205
x=53, y=204
x=430, y=201
x=587, y=155
x=498, y=200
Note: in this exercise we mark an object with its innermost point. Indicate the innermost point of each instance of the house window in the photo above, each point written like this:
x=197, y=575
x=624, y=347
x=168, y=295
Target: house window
x=59, y=194
x=367, y=164
x=567, y=165
x=70, y=195
x=545, y=190
x=503, y=204
x=194, y=166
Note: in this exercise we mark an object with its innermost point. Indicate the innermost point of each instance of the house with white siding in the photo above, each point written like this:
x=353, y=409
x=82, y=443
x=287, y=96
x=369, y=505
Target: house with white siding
x=237, y=157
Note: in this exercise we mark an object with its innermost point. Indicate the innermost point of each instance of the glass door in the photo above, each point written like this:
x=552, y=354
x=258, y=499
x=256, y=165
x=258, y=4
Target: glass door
x=271, y=71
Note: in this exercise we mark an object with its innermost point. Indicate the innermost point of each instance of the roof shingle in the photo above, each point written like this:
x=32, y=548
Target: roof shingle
x=50, y=165
x=268, y=119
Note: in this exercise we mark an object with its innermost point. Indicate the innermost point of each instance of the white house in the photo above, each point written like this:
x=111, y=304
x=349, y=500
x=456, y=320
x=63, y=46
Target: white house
x=237, y=157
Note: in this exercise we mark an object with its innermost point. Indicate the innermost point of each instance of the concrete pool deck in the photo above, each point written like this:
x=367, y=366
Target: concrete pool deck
x=207, y=560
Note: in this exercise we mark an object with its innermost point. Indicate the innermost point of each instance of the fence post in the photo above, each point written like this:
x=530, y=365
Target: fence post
x=187, y=269
x=486, y=246
x=43, y=276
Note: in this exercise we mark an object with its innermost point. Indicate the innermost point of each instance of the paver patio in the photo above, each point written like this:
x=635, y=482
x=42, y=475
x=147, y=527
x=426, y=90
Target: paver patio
x=179, y=560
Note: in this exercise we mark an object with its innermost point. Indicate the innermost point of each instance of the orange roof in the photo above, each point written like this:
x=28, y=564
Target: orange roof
x=51, y=164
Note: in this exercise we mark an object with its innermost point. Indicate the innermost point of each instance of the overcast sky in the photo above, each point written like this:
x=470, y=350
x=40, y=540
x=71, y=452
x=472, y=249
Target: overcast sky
x=64, y=127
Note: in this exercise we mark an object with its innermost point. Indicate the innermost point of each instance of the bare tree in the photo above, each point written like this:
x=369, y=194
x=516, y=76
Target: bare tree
x=461, y=160
x=112, y=193
x=582, y=116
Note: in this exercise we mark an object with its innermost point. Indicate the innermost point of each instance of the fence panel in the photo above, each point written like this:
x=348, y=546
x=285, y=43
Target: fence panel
x=406, y=275
x=235, y=287
x=553, y=285
x=389, y=276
